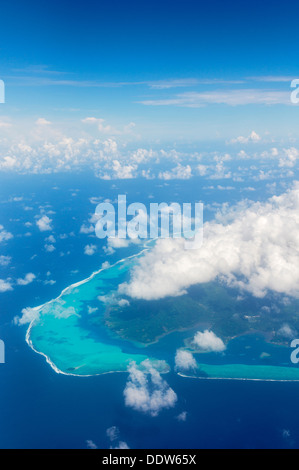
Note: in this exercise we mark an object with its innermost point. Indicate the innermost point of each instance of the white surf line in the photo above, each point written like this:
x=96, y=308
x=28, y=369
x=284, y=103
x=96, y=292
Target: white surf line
x=235, y=378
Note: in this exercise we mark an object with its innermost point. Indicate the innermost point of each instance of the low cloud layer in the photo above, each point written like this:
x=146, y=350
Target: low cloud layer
x=27, y=279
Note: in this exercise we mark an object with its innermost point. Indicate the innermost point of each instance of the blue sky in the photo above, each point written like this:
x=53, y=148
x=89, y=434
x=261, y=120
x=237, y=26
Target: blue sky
x=190, y=70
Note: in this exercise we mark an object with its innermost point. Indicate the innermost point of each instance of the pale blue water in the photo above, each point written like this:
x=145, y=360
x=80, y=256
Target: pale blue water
x=40, y=408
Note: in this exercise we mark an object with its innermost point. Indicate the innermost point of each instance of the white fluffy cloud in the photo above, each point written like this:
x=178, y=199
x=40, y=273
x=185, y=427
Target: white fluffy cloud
x=28, y=315
x=42, y=122
x=106, y=128
x=92, y=144
x=5, y=285
x=5, y=260
x=253, y=247
x=233, y=97
x=90, y=250
x=27, y=279
x=147, y=391
x=90, y=444
x=4, y=235
x=184, y=360
x=115, y=243
x=112, y=433
x=44, y=223
x=121, y=445
x=179, y=172
x=118, y=242
x=50, y=248
x=289, y=157
x=50, y=239
x=182, y=416
x=87, y=229
x=287, y=331
x=208, y=341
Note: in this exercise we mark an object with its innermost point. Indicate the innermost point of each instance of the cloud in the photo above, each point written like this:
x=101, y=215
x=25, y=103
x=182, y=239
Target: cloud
x=5, y=260
x=28, y=315
x=90, y=250
x=50, y=239
x=42, y=122
x=252, y=246
x=49, y=282
x=50, y=248
x=289, y=157
x=287, y=332
x=40, y=76
x=100, y=124
x=220, y=171
x=5, y=286
x=8, y=163
x=121, y=445
x=234, y=97
x=208, y=341
x=184, y=360
x=107, y=129
x=4, y=235
x=202, y=169
x=182, y=416
x=44, y=149
x=147, y=391
x=119, y=242
x=119, y=170
x=44, y=223
x=179, y=172
x=112, y=433
x=87, y=229
x=90, y=444
x=253, y=137
x=272, y=78
x=27, y=279
x=4, y=124
x=115, y=243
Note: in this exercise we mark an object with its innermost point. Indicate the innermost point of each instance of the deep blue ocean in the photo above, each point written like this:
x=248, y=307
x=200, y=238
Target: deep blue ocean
x=42, y=409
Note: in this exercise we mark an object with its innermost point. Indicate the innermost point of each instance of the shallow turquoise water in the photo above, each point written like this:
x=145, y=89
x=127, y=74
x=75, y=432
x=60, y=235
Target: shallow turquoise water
x=70, y=332
x=247, y=372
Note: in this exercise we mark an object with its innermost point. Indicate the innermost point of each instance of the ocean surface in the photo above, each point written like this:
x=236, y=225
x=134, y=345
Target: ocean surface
x=40, y=408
